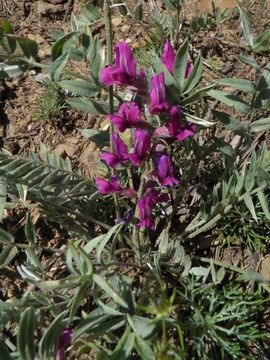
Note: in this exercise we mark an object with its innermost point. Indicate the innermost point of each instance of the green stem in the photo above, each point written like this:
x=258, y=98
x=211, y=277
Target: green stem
x=109, y=43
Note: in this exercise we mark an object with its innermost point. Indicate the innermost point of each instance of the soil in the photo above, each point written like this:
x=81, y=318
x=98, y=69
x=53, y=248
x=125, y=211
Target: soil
x=22, y=128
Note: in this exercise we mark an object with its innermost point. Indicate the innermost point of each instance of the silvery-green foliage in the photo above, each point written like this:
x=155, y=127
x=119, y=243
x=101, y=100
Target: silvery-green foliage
x=169, y=303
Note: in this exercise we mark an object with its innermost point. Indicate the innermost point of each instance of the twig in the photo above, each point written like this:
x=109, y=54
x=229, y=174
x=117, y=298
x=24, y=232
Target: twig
x=69, y=3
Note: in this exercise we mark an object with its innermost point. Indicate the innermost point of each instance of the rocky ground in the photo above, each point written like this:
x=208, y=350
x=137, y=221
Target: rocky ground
x=23, y=128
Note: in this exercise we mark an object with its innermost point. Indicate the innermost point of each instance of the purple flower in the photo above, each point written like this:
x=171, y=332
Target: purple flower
x=176, y=128
x=124, y=72
x=127, y=217
x=119, y=154
x=168, y=56
x=146, y=205
x=158, y=95
x=128, y=117
x=63, y=343
x=107, y=187
x=168, y=59
x=114, y=186
x=165, y=171
x=141, y=146
x=189, y=69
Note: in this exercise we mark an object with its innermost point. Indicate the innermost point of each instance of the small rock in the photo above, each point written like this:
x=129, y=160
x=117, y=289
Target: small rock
x=265, y=267
x=207, y=5
x=43, y=9
x=125, y=28
x=117, y=21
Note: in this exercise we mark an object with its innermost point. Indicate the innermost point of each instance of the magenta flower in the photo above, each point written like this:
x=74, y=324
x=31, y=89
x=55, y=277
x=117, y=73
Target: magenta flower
x=107, y=187
x=114, y=186
x=141, y=146
x=189, y=69
x=165, y=171
x=124, y=71
x=168, y=56
x=64, y=342
x=146, y=205
x=176, y=128
x=158, y=95
x=128, y=117
x=119, y=154
x=168, y=59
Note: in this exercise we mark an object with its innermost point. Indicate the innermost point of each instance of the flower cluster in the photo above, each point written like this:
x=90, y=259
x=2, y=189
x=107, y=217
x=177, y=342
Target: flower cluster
x=149, y=152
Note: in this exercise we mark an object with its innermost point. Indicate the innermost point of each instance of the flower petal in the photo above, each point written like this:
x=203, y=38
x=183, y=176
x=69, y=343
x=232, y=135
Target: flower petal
x=168, y=56
x=125, y=60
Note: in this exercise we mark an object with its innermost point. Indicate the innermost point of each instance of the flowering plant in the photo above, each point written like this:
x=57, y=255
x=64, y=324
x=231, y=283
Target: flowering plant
x=153, y=145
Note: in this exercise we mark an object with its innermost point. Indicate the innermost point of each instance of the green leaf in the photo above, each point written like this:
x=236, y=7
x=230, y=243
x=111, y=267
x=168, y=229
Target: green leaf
x=260, y=125
x=246, y=28
x=221, y=274
x=199, y=271
x=264, y=203
x=144, y=349
x=89, y=14
x=80, y=87
x=230, y=100
x=249, y=204
x=240, y=182
x=33, y=259
x=171, y=4
x=262, y=43
x=74, y=22
x=57, y=67
x=250, y=179
x=113, y=232
x=4, y=353
x=198, y=121
x=90, y=106
x=138, y=12
x=77, y=298
x=124, y=347
x=264, y=81
x=12, y=69
x=6, y=237
x=100, y=138
x=29, y=47
x=223, y=147
x=194, y=77
x=262, y=99
x=108, y=290
x=7, y=255
x=240, y=84
x=249, y=60
x=48, y=343
x=3, y=197
x=197, y=94
x=25, y=337
x=57, y=47
x=8, y=44
x=30, y=232
x=142, y=326
x=253, y=276
x=5, y=27
x=231, y=122
x=180, y=64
